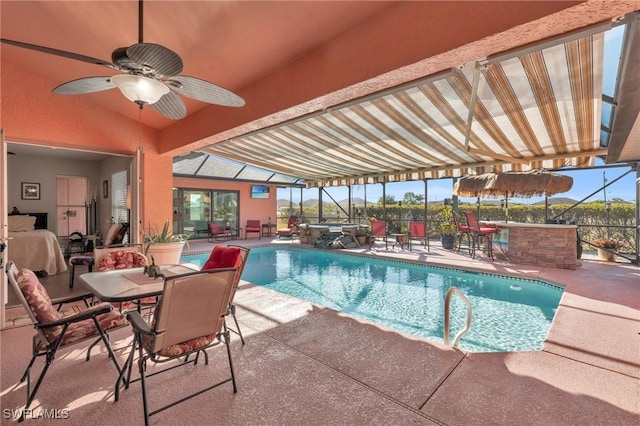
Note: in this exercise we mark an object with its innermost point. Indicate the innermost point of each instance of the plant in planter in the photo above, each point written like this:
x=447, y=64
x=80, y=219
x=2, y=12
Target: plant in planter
x=164, y=245
x=447, y=228
x=362, y=234
x=608, y=243
x=607, y=248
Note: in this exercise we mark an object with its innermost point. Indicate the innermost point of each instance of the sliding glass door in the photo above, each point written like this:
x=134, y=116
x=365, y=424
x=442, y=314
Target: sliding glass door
x=193, y=209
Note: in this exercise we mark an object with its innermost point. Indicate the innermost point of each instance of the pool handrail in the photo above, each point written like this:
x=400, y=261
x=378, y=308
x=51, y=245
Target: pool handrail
x=447, y=311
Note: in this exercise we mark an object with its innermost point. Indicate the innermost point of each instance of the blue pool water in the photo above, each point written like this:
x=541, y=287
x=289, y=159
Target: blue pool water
x=509, y=314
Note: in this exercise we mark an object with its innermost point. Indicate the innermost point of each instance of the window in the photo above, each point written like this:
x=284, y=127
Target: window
x=71, y=196
x=119, y=210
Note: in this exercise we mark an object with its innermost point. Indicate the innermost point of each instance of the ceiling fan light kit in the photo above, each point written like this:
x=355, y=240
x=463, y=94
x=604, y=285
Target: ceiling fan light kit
x=140, y=89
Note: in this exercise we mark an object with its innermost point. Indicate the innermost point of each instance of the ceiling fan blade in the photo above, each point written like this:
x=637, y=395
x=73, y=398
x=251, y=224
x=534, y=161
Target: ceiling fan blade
x=163, y=61
x=204, y=91
x=171, y=106
x=62, y=53
x=84, y=85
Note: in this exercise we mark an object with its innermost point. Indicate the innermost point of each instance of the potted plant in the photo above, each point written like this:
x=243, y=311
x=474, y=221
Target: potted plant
x=447, y=228
x=163, y=245
x=607, y=247
x=362, y=234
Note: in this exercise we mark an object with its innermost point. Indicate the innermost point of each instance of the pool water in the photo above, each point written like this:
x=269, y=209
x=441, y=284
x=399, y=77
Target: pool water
x=509, y=314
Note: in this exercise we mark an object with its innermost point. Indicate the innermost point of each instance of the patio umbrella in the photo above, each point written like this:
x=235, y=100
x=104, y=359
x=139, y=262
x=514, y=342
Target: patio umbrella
x=520, y=184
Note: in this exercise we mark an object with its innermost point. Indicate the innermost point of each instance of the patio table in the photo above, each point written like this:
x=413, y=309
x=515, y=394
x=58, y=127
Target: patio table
x=124, y=285
x=402, y=239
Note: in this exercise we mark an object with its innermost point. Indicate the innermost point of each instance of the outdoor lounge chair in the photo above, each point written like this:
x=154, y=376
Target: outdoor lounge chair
x=480, y=232
x=418, y=231
x=189, y=319
x=291, y=229
x=379, y=230
x=53, y=329
x=229, y=257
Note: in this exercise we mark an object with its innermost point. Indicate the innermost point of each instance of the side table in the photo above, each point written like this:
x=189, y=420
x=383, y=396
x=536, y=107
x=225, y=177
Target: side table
x=267, y=229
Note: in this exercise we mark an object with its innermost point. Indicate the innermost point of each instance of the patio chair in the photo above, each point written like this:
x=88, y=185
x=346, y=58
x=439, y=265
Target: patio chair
x=115, y=236
x=75, y=244
x=253, y=226
x=125, y=256
x=53, y=329
x=188, y=320
x=229, y=257
x=479, y=232
x=418, y=231
x=461, y=230
x=379, y=230
x=291, y=229
x=215, y=232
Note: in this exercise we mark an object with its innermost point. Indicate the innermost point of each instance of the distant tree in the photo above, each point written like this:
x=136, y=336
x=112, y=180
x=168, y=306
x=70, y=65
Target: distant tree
x=389, y=199
x=412, y=198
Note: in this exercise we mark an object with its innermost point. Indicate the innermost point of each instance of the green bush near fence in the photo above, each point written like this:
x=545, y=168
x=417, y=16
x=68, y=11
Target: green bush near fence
x=593, y=219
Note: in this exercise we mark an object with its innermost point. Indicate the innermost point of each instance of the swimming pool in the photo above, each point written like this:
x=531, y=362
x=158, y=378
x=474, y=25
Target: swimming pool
x=509, y=314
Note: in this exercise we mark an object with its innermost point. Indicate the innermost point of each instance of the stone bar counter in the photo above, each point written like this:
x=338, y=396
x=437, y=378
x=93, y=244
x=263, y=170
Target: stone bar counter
x=536, y=244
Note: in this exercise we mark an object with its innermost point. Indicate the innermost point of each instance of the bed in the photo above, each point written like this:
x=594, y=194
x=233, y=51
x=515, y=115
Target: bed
x=35, y=249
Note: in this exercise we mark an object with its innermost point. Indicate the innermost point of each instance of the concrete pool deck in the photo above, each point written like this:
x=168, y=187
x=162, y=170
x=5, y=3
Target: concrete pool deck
x=308, y=365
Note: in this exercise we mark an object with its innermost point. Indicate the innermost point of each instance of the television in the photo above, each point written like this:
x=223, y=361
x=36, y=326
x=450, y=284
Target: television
x=259, y=191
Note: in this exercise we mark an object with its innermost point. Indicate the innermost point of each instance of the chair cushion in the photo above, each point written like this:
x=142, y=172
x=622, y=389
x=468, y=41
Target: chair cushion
x=121, y=259
x=81, y=330
x=38, y=300
x=180, y=348
x=285, y=231
x=82, y=259
x=40, y=304
x=112, y=233
x=223, y=257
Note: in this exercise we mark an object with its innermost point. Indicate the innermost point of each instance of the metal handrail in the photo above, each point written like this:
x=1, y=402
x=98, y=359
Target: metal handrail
x=447, y=310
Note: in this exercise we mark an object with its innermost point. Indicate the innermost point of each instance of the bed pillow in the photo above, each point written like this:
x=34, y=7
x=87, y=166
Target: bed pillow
x=21, y=223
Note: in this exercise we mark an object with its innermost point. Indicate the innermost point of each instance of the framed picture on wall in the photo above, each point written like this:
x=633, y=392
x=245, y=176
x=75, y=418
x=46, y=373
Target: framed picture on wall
x=105, y=189
x=30, y=191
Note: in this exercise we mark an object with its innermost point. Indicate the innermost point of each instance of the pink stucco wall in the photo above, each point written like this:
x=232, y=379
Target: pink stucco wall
x=249, y=208
x=75, y=122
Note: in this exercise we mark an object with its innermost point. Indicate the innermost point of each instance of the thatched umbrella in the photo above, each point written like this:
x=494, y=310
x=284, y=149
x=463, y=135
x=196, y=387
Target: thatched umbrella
x=519, y=184
x=532, y=183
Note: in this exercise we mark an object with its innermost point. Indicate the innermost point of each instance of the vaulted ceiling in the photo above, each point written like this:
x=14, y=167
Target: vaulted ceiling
x=345, y=92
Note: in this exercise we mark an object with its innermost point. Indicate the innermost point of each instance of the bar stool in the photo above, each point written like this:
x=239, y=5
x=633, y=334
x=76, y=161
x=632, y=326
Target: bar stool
x=76, y=243
x=80, y=259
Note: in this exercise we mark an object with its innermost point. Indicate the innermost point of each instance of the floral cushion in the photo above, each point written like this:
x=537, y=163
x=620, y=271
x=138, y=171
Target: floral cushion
x=121, y=259
x=39, y=301
x=40, y=304
x=179, y=348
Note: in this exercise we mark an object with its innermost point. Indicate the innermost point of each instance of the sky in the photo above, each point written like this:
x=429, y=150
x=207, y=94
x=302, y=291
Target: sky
x=585, y=182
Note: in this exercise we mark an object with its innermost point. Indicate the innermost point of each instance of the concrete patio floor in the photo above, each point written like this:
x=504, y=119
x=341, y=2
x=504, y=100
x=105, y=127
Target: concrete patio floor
x=307, y=364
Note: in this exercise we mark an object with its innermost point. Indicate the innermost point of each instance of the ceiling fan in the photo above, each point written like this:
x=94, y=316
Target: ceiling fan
x=150, y=77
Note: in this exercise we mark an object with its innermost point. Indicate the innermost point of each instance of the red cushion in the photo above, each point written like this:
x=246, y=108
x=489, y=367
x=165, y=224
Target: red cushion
x=223, y=257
